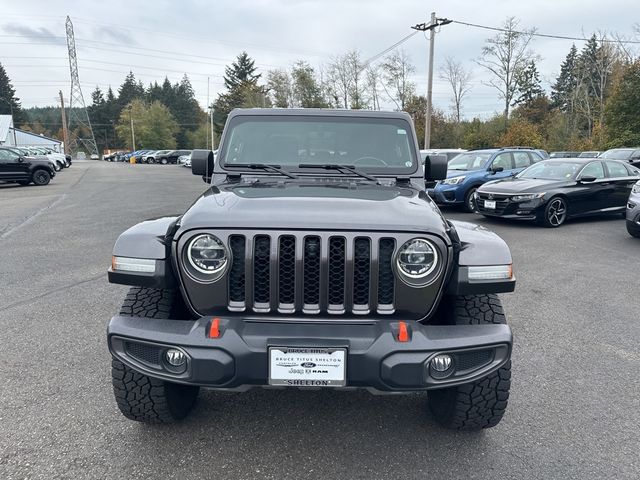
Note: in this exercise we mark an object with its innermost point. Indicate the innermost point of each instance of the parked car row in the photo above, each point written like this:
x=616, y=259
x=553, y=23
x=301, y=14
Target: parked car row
x=163, y=157
x=517, y=183
x=25, y=165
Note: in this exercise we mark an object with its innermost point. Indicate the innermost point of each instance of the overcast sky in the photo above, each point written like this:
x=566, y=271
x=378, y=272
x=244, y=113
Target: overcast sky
x=162, y=38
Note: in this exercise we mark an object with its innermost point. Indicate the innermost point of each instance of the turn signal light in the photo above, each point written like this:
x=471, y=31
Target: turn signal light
x=214, y=328
x=403, y=332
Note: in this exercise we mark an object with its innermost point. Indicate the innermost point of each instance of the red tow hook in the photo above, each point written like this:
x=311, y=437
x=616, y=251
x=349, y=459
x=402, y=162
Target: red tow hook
x=403, y=332
x=214, y=328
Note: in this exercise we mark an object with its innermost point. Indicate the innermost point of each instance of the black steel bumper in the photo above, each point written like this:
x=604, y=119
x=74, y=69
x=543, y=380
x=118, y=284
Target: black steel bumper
x=376, y=359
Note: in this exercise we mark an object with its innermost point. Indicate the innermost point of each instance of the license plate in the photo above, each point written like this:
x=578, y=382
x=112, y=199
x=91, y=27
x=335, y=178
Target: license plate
x=307, y=367
x=490, y=204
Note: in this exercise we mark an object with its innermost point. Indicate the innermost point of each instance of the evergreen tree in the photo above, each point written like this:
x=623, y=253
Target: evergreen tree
x=241, y=81
x=186, y=110
x=622, y=113
x=99, y=116
x=154, y=92
x=307, y=92
x=243, y=70
x=9, y=101
x=566, y=83
x=528, y=84
x=130, y=90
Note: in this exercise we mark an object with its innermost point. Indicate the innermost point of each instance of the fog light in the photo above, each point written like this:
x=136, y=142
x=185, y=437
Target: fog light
x=175, y=358
x=441, y=363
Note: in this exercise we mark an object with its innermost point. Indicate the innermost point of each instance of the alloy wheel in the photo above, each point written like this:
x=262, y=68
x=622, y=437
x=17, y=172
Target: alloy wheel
x=557, y=212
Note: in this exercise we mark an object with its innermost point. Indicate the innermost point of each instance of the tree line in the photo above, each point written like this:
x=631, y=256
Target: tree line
x=592, y=103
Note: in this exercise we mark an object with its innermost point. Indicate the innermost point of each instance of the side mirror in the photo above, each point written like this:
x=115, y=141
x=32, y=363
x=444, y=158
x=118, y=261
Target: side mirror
x=20, y=159
x=587, y=179
x=495, y=170
x=435, y=167
x=202, y=164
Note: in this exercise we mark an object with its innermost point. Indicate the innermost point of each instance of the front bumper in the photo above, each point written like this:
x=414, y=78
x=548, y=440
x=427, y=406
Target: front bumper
x=446, y=194
x=238, y=358
x=524, y=210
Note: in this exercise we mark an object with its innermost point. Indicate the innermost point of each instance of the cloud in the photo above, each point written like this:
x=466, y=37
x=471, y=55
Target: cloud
x=114, y=34
x=41, y=34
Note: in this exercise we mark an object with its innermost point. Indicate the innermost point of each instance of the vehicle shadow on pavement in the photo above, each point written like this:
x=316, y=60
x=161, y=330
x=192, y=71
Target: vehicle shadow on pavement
x=327, y=430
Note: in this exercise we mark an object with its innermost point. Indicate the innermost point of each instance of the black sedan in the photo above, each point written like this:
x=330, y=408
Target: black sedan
x=553, y=190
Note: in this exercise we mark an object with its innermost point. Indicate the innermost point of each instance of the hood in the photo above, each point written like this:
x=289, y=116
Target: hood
x=522, y=185
x=316, y=204
x=459, y=173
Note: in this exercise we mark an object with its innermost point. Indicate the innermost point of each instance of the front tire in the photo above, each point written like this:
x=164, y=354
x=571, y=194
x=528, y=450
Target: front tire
x=41, y=177
x=142, y=398
x=633, y=229
x=480, y=404
x=555, y=213
x=470, y=201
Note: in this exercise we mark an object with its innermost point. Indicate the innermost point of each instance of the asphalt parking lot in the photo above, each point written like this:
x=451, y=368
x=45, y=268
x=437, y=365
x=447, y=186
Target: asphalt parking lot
x=574, y=409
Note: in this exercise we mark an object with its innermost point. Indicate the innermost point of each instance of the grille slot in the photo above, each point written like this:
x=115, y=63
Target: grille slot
x=236, y=273
x=311, y=273
x=261, y=272
x=386, y=279
x=287, y=271
x=311, y=297
x=361, y=272
x=337, y=257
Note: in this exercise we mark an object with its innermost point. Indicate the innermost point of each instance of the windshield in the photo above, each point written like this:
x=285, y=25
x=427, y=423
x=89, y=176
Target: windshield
x=555, y=170
x=617, y=154
x=378, y=145
x=469, y=161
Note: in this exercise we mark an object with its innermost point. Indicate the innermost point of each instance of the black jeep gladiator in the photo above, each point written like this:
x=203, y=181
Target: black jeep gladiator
x=314, y=259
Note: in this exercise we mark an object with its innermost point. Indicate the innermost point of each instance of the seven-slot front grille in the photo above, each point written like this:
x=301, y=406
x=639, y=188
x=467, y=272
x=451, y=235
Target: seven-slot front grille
x=310, y=274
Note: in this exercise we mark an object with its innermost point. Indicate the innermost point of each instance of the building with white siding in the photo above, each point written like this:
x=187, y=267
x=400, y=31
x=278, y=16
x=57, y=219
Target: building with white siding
x=9, y=135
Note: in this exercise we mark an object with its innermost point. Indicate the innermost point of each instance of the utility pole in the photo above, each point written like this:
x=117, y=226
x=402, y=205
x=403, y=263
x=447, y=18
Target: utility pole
x=213, y=142
x=208, y=108
x=133, y=134
x=65, y=130
x=435, y=22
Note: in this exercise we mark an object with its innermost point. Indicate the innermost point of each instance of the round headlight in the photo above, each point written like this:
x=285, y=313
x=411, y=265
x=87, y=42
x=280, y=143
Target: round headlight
x=417, y=258
x=207, y=254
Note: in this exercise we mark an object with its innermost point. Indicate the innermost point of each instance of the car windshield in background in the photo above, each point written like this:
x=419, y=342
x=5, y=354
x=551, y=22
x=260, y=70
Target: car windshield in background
x=469, y=161
x=556, y=170
x=377, y=145
x=618, y=154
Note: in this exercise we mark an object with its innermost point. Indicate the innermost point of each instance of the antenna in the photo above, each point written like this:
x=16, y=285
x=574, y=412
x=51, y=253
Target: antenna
x=80, y=131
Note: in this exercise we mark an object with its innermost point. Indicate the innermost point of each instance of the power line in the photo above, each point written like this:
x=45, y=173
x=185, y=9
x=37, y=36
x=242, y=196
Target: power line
x=544, y=35
x=372, y=59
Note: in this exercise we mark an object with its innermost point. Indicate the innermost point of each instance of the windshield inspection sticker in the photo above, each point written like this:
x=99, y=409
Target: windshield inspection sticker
x=407, y=163
x=402, y=131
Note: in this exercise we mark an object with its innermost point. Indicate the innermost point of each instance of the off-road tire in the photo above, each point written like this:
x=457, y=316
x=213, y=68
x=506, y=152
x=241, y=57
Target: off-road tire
x=480, y=404
x=41, y=177
x=140, y=397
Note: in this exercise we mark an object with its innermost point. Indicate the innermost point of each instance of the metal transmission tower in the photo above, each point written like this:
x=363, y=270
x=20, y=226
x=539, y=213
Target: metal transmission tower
x=80, y=131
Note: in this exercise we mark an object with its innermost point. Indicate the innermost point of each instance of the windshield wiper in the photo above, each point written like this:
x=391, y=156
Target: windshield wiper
x=262, y=166
x=333, y=166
